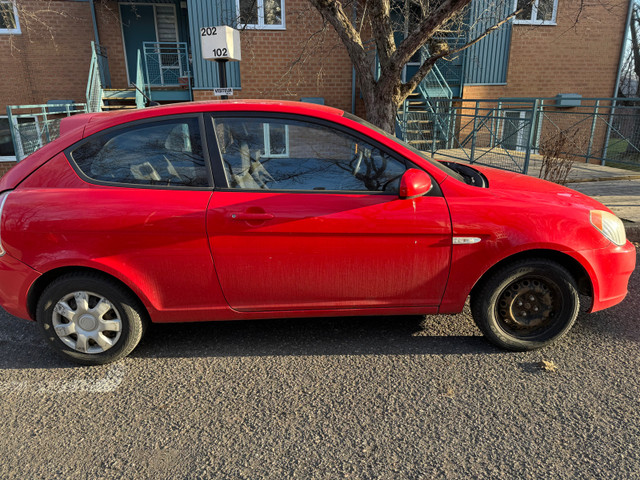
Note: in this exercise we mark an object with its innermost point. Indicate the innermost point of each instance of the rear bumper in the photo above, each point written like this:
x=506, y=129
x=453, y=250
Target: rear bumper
x=609, y=269
x=16, y=279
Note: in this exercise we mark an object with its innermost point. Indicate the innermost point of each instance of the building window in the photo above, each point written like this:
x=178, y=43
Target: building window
x=538, y=12
x=8, y=17
x=267, y=14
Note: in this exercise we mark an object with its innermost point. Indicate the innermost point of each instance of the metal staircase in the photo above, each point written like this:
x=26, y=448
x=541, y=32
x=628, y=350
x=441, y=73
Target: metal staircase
x=100, y=95
x=424, y=119
x=117, y=99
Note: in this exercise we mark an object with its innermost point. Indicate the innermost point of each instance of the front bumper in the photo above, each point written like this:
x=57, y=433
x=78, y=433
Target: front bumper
x=609, y=270
x=16, y=279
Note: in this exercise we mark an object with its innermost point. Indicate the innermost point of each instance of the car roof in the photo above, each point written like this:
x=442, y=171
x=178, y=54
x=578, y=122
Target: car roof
x=94, y=122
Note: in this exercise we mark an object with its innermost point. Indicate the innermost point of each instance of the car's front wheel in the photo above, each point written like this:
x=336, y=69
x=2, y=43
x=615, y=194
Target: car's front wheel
x=90, y=319
x=526, y=305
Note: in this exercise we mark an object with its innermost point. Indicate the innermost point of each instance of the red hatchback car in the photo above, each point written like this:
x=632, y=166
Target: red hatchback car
x=262, y=209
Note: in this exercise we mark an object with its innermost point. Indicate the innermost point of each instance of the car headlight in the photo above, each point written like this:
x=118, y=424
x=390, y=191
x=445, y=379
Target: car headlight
x=609, y=225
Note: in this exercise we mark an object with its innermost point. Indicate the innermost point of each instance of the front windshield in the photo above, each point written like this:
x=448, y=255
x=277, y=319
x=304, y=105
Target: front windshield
x=435, y=163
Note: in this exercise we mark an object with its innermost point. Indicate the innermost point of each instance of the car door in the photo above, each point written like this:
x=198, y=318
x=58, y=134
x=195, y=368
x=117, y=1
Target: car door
x=306, y=215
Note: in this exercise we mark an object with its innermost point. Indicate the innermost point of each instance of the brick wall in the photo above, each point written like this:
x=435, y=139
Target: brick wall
x=267, y=57
x=5, y=166
x=52, y=62
x=569, y=57
x=49, y=60
x=110, y=33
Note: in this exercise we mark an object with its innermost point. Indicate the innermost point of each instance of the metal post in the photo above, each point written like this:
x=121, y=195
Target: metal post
x=496, y=125
x=15, y=134
x=142, y=56
x=453, y=117
x=475, y=133
x=593, y=129
x=222, y=74
x=532, y=134
x=434, y=136
x=46, y=125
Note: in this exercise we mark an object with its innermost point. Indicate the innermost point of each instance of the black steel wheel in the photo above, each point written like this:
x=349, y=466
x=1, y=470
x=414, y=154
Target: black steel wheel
x=526, y=305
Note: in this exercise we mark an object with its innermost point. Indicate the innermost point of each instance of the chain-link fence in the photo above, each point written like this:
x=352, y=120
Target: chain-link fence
x=33, y=126
x=513, y=134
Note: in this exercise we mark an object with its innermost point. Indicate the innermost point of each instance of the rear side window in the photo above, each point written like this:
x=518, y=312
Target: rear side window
x=166, y=153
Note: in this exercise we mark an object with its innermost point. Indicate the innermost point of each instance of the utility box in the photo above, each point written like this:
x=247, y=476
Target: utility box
x=566, y=100
x=220, y=43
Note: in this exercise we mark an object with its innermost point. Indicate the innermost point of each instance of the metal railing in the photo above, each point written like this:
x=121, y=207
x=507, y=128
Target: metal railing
x=97, y=78
x=434, y=84
x=103, y=64
x=142, y=90
x=424, y=124
x=167, y=64
x=512, y=133
x=33, y=126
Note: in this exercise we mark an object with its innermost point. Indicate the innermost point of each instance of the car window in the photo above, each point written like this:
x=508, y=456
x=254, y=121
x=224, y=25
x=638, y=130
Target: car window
x=260, y=153
x=164, y=153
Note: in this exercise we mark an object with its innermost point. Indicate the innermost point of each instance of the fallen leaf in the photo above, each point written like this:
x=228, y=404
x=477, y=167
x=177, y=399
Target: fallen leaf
x=548, y=365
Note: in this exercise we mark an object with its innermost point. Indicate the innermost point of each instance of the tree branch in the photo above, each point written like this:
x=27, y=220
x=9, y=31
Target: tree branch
x=382, y=31
x=416, y=39
x=332, y=11
x=427, y=65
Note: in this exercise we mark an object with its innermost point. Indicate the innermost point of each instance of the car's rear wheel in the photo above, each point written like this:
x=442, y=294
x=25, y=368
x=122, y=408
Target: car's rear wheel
x=90, y=319
x=526, y=305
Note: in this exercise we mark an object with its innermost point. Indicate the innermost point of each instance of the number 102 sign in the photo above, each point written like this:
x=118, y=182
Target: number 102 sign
x=220, y=43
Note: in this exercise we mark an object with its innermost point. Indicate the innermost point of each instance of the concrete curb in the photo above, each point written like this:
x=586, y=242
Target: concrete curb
x=602, y=179
x=633, y=231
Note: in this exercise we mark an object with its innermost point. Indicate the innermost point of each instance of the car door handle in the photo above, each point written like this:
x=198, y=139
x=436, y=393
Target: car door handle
x=245, y=216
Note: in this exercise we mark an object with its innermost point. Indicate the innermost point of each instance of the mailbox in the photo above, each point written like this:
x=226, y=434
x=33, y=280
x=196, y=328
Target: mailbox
x=220, y=43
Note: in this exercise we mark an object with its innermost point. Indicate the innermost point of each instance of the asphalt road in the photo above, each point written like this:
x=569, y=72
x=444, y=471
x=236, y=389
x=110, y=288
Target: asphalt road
x=389, y=398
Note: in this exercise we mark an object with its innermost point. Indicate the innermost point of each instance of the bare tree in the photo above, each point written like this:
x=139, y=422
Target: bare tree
x=432, y=31
x=630, y=81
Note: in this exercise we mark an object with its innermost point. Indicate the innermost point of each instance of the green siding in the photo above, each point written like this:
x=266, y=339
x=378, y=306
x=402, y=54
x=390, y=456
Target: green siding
x=487, y=61
x=208, y=14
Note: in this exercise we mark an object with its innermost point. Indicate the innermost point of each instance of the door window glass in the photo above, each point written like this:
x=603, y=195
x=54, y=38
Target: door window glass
x=291, y=155
x=166, y=153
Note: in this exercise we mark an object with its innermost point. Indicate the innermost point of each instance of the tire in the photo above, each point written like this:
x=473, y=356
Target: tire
x=90, y=319
x=526, y=305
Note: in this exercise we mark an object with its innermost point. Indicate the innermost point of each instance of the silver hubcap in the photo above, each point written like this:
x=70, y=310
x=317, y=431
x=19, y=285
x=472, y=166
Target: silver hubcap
x=87, y=322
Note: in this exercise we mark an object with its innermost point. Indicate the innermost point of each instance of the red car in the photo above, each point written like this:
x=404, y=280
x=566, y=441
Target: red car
x=260, y=209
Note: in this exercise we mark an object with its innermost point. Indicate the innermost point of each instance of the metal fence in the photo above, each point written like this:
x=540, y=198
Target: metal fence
x=514, y=134
x=166, y=64
x=33, y=126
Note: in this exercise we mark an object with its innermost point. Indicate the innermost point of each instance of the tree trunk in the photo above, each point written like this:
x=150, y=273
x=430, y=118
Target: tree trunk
x=381, y=107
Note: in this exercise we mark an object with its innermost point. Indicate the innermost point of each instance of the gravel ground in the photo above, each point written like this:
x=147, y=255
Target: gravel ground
x=388, y=398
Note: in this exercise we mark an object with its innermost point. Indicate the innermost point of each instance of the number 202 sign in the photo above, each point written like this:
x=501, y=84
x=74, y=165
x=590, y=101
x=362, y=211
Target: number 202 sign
x=220, y=43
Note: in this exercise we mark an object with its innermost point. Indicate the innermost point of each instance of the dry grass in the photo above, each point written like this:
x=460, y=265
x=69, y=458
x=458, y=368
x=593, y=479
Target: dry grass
x=558, y=155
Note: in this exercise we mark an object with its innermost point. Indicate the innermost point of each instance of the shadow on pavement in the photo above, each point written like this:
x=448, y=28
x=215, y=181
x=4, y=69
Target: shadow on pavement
x=307, y=337
x=281, y=337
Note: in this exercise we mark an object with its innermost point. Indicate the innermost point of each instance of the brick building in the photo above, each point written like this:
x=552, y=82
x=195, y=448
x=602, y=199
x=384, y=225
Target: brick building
x=46, y=52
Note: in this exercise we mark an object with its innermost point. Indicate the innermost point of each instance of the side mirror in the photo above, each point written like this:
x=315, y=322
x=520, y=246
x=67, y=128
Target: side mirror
x=414, y=183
